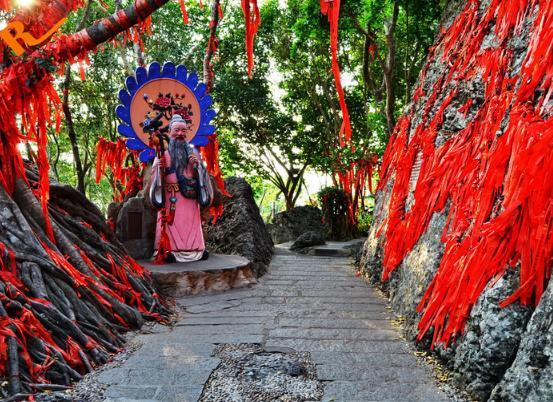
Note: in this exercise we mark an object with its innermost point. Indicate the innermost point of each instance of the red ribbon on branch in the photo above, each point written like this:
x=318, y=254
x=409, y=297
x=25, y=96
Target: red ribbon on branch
x=252, y=20
x=352, y=178
x=332, y=10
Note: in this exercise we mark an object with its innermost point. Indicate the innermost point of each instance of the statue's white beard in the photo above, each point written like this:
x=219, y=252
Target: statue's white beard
x=178, y=151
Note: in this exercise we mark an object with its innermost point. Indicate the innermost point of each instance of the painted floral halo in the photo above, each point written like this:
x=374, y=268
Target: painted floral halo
x=168, y=90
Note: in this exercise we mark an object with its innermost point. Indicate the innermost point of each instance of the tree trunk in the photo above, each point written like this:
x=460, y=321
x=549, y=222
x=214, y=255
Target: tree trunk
x=71, y=131
x=79, y=293
x=106, y=28
x=389, y=69
x=292, y=190
x=81, y=173
x=139, y=55
x=211, y=45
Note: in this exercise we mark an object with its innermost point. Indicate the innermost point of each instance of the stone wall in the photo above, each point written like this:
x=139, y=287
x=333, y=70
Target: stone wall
x=135, y=226
x=504, y=353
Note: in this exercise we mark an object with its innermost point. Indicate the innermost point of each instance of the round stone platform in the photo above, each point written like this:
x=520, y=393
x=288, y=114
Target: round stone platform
x=218, y=273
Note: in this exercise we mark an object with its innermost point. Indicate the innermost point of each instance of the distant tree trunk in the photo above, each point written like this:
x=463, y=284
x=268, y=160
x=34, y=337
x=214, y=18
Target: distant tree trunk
x=293, y=189
x=389, y=69
x=211, y=44
x=71, y=132
x=387, y=64
x=139, y=55
x=81, y=173
x=288, y=184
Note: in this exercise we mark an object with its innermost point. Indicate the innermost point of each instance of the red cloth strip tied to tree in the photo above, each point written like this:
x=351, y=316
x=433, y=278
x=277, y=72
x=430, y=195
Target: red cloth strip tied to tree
x=332, y=10
x=348, y=175
x=115, y=155
x=37, y=19
x=34, y=107
x=210, y=154
x=494, y=178
x=184, y=12
x=252, y=20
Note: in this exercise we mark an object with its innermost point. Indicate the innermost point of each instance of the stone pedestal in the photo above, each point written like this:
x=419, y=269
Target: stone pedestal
x=218, y=273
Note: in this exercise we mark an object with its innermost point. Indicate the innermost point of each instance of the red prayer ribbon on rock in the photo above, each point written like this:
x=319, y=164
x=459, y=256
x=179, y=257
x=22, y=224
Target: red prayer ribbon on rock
x=493, y=178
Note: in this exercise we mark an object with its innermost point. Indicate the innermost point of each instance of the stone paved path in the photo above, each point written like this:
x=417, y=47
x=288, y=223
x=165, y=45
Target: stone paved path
x=312, y=304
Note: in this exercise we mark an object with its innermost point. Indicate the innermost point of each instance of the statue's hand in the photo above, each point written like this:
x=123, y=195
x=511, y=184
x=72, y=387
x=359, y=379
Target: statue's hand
x=194, y=160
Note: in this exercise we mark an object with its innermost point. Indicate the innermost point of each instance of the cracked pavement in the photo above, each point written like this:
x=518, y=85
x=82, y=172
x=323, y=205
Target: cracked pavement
x=310, y=304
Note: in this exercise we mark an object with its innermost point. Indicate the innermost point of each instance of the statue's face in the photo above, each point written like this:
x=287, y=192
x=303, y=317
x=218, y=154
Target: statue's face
x=181, y=131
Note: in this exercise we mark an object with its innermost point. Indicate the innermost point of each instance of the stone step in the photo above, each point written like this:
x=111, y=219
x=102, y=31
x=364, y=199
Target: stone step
x=218, y=273
x=332, y=249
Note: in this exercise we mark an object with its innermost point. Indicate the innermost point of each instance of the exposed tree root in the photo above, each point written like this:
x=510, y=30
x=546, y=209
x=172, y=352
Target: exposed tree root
x=64, y=303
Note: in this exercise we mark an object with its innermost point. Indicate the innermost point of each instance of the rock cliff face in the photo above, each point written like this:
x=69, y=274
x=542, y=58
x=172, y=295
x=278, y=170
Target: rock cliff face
x=289, y=225
x=482, y=90
x=241, y=230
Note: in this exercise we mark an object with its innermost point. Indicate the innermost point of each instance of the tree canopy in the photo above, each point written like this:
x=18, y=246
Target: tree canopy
x=283, y=121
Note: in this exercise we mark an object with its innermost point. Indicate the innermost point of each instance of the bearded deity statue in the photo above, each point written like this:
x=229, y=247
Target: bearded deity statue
x=180, y=186
x=169, y=99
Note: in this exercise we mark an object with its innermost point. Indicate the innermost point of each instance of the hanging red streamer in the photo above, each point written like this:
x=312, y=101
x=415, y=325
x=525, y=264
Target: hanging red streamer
x=332, y=10
x=183, y=12
x=353, y=177
x=252, y=20
x=126, y=179
x=210, y=154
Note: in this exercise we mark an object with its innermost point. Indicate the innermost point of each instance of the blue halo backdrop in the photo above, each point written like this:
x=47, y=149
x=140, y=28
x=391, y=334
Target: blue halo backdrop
x=168, y=90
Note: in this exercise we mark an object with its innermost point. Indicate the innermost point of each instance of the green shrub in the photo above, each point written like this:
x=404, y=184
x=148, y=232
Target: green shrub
x=364, y=220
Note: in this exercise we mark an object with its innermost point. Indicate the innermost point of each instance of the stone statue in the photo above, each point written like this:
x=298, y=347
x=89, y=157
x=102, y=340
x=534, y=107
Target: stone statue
x=184, y=188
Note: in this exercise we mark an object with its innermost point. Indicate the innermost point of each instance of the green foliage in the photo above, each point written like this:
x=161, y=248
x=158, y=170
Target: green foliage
x=364, y=220
x=266, y=196
x=333, y=201
x=284, y=119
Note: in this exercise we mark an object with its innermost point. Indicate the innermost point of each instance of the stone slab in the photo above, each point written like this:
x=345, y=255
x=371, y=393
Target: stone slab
x=215, y=262
x=350, y=391
x=333, y=249
x=376, y=334
x=334, y=316
x=339, y=345
x=218, y=273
